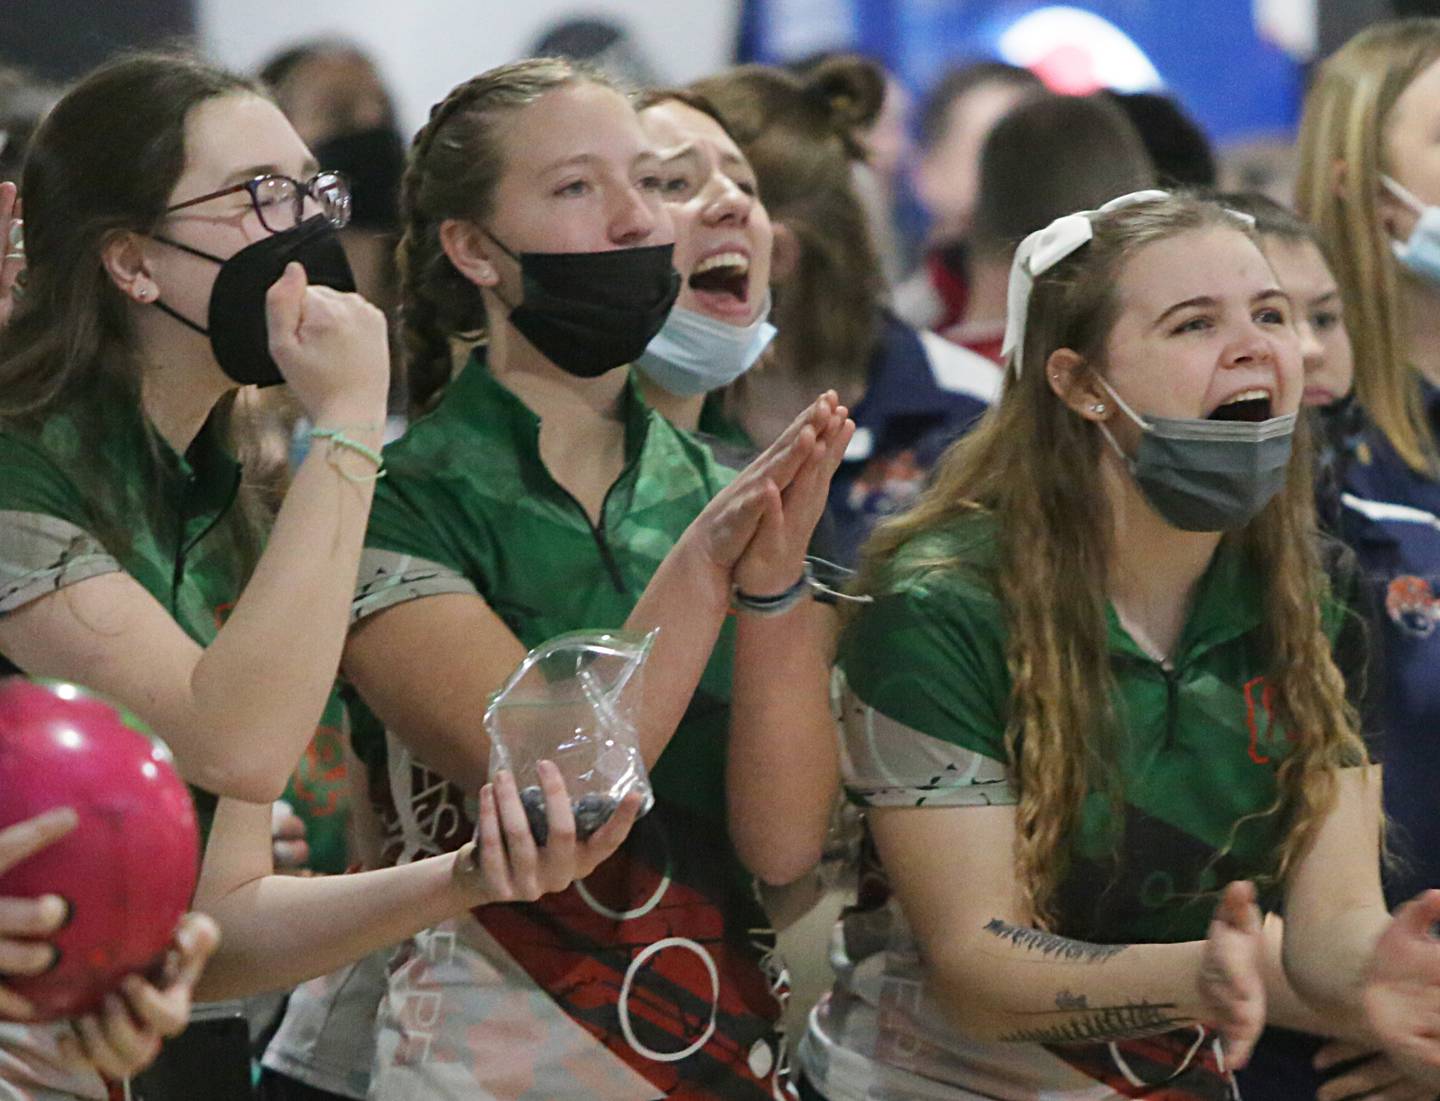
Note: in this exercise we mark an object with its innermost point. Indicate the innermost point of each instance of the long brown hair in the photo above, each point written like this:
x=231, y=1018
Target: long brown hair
x=1035, y=466
x=1344, y=125
x=454, y=165
x=104, y=161
x=801, y=135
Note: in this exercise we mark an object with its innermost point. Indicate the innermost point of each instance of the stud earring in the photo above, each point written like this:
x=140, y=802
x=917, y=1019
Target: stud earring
x=1098, y=407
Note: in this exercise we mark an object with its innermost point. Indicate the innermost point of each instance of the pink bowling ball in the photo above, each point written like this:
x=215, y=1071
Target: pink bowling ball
x=128, y=869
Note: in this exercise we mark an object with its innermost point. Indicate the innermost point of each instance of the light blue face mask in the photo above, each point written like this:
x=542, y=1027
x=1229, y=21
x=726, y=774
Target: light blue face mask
x=693, y=354
x=1420, y=252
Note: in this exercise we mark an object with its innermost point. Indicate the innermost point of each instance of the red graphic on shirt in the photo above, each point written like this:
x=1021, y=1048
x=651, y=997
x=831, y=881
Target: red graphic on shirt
x=1172, y=1066
x=1410, y=602
x=660, y=954
x=1259, y=718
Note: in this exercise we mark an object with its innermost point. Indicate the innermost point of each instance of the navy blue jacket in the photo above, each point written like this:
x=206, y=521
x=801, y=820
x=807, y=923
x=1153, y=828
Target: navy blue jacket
x=1390, y=517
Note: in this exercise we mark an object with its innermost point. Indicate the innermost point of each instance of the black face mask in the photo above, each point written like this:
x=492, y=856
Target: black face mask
x=238, y=331
x=373, y=161
x=590, y=312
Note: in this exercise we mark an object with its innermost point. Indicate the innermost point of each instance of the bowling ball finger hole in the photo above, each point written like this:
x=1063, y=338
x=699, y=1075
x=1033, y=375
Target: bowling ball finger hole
x=591, y=812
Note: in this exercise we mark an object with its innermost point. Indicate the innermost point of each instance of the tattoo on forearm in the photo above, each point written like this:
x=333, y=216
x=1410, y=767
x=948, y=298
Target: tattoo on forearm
x=1050, y=944
x=1100, y=1024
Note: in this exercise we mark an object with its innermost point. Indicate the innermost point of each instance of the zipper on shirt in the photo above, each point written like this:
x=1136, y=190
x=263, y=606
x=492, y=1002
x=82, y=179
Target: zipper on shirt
x=1171, y=676
x=177, y=574
x=607, y=556
x=1172, y=700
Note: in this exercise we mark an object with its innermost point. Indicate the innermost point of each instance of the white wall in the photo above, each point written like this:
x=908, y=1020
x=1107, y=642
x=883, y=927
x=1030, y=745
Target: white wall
x=426, y=47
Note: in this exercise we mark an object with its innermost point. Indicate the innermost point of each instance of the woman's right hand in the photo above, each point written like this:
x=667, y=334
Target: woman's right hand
x=124, y=1035
x=505, y=864
x=331, y=346
x=1232, y=989
x=29, y=918
x=1401, y=994
x=730, y=520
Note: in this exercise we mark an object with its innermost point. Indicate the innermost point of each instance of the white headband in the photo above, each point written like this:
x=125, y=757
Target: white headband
x=1041, y=251
x=1045, y=248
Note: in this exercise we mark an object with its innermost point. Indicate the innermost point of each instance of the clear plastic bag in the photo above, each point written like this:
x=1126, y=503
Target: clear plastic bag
x=573, y=701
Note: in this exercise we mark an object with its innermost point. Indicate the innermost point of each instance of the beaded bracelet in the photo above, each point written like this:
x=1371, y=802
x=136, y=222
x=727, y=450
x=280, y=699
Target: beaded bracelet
x=777, y=604
x=337, y=438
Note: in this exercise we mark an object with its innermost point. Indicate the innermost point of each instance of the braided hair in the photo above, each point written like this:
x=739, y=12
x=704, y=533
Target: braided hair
x=452, y=170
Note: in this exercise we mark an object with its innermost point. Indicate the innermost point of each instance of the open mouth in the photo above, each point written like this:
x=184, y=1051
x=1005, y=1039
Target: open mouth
x=725, y=273
x=1248, y=405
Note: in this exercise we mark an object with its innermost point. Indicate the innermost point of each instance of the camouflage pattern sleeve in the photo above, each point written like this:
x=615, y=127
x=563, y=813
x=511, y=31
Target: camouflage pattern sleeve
x=922, y=692
x=41, y=554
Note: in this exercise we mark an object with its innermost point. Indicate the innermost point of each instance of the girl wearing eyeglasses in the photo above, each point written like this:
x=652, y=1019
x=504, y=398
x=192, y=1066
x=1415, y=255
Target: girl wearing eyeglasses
x=1094, y=714
x=180, y=243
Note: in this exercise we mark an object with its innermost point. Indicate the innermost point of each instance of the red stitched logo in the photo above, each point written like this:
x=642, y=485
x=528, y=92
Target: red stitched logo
x=1261, y=687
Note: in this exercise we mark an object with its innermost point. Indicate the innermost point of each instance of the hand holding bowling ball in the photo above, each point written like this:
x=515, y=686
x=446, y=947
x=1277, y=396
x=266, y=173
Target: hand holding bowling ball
x=24, y=921
x=123, y=874
x=124, y=1037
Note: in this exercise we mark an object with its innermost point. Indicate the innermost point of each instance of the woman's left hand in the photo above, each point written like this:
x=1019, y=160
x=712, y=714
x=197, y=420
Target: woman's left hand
x=13, y=262
x=1377, y=1078
x=1231, y=986
x=775, y=555
x=1401, y=994
x=124, y=1036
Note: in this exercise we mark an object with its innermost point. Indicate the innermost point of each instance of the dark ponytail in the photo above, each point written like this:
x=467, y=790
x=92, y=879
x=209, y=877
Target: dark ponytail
x=850, y=91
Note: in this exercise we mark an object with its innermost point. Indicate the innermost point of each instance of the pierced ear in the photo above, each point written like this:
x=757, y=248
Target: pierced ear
x=467, y=249
x=124, y=259
x=1075, y=383
x=784, y=253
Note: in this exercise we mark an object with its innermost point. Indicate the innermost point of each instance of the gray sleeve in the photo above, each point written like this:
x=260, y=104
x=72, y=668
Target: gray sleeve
x=885, y=763
x=388, y=578
x=42, y=554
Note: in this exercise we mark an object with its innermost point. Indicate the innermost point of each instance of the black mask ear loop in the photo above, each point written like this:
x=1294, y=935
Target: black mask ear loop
x=495, y=290
x=171, y=311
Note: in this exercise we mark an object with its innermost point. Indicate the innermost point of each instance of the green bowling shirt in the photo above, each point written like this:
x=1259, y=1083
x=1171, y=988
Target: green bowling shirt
x=177, y=543
x=1197, y=748
x=672, y=919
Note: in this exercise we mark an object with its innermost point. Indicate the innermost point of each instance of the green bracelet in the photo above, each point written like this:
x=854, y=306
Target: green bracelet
x=338, y=438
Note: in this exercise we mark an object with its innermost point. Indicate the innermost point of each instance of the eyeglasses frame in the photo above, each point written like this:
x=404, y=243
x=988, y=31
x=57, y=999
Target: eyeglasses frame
x=303, y=189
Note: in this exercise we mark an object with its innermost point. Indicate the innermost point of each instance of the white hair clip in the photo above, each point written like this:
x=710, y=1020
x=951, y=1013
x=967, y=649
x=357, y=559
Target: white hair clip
x=1041, y=251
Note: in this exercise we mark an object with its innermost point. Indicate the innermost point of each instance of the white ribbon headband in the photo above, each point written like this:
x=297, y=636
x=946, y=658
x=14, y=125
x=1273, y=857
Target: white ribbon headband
x=1045, y=248
x=1041, y=251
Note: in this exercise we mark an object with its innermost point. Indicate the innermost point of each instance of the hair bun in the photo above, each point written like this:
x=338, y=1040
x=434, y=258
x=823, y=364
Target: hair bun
x=850, y=87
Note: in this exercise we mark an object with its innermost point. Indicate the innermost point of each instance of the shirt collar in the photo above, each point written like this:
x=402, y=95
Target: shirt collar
x=210, y=474
x=477, y=399
x=1228, y=604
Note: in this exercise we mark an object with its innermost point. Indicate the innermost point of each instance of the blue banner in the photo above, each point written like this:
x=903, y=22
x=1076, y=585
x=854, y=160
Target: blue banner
x=1209, y=56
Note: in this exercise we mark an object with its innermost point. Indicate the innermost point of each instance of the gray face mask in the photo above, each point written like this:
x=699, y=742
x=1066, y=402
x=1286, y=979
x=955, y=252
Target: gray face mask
x=1204, y=475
